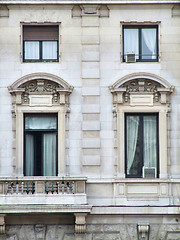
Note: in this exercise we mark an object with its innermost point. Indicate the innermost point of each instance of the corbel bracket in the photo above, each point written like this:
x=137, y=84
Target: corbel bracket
x=80, y=222
x=2, y=224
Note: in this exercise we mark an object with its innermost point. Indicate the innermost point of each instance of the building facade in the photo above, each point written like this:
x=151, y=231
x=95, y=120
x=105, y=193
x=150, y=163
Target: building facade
x=89, y=120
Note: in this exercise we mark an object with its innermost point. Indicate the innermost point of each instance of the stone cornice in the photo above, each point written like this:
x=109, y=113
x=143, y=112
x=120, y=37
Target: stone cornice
x=89, y=1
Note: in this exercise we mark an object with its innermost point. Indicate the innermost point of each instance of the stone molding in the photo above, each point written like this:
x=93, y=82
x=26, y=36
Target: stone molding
x=89, y=2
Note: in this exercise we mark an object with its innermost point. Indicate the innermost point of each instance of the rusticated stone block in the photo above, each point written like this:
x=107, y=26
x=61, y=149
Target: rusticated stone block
x=112, y=228
x=98, y=236
x=68, y=237
x=95, y=228
x=112, y=236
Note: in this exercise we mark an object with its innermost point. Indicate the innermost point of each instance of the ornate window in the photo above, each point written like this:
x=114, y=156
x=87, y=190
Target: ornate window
x=40, y=106
x=141, y=106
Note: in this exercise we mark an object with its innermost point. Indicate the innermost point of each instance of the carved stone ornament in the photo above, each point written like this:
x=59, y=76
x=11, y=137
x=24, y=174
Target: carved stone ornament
x=2, y=224
x=40, y=87
x=80, y=222
x=40, y=230
x=140, y=87
x=143, y=231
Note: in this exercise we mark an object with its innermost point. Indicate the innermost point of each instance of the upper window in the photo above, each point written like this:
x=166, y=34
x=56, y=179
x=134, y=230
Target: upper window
x=141, y=146
x=40, y=43
x=40, y=150
x=141, y=41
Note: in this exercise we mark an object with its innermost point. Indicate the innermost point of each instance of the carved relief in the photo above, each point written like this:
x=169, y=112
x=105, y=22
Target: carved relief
x=142, y=88
x=54, y=92
x=40, y=86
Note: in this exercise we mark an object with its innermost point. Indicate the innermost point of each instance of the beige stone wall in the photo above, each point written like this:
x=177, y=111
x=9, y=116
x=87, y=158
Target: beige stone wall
x=90, y=61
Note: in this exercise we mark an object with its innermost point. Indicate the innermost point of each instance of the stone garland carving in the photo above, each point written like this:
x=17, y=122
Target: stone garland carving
x=141, y=86
x=121, y=94
x=40, y=86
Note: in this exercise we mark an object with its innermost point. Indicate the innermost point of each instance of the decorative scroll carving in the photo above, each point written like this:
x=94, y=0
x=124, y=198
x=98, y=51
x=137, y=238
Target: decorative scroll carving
x=140, y=87
x=41, y=87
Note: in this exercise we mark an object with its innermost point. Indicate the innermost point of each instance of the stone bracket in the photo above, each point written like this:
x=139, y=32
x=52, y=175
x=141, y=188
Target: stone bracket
x=2, y=224
x=143, y=231
x=80, y=222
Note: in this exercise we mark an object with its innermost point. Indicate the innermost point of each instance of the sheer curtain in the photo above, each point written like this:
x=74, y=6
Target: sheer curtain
x=149, y=36
x=150, y=141
x=31, y=50
x=131, y=41
x=49, y=49
x=40, y=123
x=49, y=154
x=29, y=166
x=132, y=128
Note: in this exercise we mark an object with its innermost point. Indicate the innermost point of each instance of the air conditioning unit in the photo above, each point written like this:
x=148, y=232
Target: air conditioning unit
x=149, y=172
x=130, y=57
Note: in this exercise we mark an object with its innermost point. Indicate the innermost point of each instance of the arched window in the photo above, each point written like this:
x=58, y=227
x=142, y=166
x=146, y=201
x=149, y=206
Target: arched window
x=40, y=105
x=141, y=106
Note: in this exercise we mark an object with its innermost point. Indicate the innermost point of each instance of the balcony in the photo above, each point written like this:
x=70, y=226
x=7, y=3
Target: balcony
x=42, y=192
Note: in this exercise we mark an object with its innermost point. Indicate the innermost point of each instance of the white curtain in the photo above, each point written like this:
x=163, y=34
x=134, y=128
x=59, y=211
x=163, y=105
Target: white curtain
x=132, y=136
x=31, y=50
x=40, y=122
x=149, y=36
x=131, y=42
x=49, y=49
x=49, y=154
x=29, y=166
x=150, y=141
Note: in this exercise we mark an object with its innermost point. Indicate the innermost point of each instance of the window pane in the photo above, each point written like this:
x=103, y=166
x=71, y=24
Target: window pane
x=150, y=141
x=49, y=154
x=29, y=165
x=131, y=41
x=40, y=123
x=133, y=145
x=31, y=50
x=149, y=44
x=49, y=50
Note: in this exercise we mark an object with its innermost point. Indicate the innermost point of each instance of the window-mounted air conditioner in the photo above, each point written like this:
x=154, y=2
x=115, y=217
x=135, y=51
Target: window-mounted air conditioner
x=130, y=57
x=149, y=172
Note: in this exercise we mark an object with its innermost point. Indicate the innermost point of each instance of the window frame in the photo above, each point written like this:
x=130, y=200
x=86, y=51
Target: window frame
x=140, y=27
x=40, y=132
x=141, y=160
x=40, y=59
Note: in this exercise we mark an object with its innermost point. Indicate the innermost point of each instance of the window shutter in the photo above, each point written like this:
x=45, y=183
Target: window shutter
x=40, y=33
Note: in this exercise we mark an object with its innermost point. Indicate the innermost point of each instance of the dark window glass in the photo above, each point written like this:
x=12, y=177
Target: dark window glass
x=141, y=40
x=141, y=136
x=40, y=148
